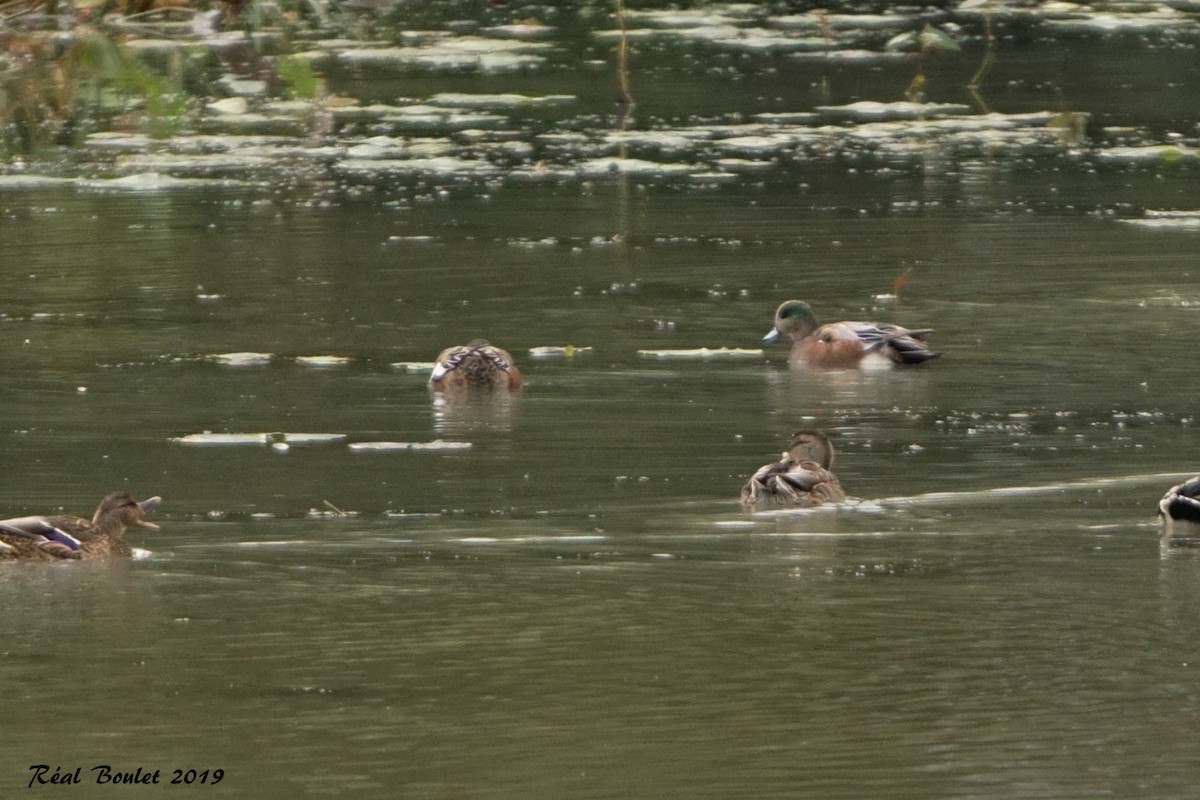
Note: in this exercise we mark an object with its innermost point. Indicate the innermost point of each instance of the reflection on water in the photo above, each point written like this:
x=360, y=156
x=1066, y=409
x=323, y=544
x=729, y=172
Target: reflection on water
x=461, y=414
x=821, y=394
x=574, y=605
x=577, y=600
x=552, y=658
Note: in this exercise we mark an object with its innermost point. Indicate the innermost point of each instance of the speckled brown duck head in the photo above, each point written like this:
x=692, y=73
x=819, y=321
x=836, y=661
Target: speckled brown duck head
x=115, y=513
x=810, y=446
x=477, y=365
x=57, y=536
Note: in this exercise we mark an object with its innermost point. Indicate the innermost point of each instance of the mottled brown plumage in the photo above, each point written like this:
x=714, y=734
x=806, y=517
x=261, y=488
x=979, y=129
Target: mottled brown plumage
x=58, y=536
x=478, y=365
x=800, y=479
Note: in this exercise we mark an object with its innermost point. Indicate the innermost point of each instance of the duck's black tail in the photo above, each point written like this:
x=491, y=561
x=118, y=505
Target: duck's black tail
x=1182, y=503
x=911, y=348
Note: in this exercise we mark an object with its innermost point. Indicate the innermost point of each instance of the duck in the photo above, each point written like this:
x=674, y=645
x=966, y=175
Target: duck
x=1179, y=509
x=61, y=536
x=800, y=479
x=843, y=345
x=476, y=365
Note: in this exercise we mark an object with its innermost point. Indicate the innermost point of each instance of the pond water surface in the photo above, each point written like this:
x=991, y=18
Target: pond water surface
x=575, y=605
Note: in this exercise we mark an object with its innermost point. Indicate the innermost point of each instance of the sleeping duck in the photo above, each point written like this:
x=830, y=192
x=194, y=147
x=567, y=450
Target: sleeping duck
x=800, y=479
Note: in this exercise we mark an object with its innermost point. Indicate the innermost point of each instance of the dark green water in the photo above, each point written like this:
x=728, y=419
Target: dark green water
x=576, y=606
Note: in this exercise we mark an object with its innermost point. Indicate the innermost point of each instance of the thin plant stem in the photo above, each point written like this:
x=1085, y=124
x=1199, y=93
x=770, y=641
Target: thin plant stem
x=624, y=94
x=989, y=54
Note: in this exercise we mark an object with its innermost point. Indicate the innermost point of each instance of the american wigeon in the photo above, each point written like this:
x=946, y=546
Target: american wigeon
x=801, y=478
x=841, y=345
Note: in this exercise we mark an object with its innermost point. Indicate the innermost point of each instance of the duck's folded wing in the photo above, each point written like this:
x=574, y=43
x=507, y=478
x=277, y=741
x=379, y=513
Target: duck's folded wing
x=873, y=336
x=1189, y=488
x=908, y=346
x=38, y=528
x=802, y=477
x=766, y=483
x=807, y=475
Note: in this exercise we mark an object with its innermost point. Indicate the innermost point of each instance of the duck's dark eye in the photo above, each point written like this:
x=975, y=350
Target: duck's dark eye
x=825, y=337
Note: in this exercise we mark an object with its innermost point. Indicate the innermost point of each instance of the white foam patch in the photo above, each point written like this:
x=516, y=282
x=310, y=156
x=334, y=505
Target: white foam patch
x=436, y=446
x=241, y=359
x=322, y=361
x=566, y=351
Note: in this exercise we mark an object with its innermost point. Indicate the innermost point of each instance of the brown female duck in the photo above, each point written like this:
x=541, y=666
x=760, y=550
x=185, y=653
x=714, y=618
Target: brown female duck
x=478, y=365
x=50, y=537
x=800, y=479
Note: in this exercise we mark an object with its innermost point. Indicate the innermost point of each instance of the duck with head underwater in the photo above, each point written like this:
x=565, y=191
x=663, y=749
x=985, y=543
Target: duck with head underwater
x=477, y=365
x=843, y=345
x=58, y=536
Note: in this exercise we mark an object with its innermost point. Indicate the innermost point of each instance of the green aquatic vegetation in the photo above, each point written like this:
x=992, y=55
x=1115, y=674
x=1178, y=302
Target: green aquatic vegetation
x=163, y=100
x=298, y=74
x=149, y=71
x=65, y=85
x=989, y=54
x=1071, y=126
x=931, y=40
x=1172, y=154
